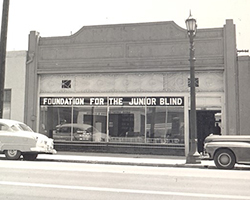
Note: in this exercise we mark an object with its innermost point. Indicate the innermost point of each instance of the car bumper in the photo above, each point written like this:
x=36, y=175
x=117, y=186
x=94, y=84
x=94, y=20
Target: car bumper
x=44, y=147
x=43, y=150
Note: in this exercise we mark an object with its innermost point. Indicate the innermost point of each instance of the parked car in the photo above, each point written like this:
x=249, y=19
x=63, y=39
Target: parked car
x=79, y=132
x=17, y=139
x=226, y=150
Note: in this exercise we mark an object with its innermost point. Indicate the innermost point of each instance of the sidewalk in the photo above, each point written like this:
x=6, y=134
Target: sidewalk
x=127, y=159
x=124, y=159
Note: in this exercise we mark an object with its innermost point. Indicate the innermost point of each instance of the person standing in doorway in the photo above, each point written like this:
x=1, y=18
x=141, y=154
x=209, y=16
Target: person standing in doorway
x=217, y=129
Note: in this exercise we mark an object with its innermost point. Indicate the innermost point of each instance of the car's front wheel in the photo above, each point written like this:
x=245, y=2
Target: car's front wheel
x=224, y=159
x=30, y=157
x=12, y=154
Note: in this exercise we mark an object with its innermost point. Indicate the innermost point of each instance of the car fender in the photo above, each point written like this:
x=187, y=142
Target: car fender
x=240, y=149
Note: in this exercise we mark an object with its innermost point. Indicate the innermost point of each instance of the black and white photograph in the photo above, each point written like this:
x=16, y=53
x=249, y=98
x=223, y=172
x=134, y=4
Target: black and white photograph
x=124, y=99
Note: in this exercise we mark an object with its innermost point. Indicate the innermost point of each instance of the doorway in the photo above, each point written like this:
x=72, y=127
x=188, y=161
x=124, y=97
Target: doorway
x=205, y=126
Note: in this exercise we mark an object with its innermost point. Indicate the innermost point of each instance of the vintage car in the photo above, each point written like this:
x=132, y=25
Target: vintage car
x=78, y=132
x=226, y=150
x=17, y=139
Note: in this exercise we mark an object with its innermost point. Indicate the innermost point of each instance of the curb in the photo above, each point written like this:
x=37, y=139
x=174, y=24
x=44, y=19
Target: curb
x=206, y=165
x=124, y=161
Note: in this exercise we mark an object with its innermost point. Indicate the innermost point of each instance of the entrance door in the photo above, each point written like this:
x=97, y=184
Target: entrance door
x=205, y=126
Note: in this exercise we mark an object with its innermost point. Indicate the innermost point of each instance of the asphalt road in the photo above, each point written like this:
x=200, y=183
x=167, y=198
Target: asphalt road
x=59, y=180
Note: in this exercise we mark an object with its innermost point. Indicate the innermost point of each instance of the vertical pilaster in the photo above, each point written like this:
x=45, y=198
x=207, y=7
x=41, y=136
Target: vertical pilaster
x=231, y=80
x=31, y=84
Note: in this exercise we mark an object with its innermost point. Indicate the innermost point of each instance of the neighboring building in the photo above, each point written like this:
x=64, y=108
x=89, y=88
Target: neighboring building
x=130, y=81
x=243, y=94
x=14, y=92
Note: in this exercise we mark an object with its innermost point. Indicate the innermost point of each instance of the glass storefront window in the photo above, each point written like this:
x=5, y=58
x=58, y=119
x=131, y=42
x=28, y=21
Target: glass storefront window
x=127, y=124
x=51, y=118
x=165, y=125
x=91, y=123
x=74, y=124
x=117, y=120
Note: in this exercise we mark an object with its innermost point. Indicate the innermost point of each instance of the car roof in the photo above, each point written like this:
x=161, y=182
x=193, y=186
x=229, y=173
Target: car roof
x=10, y=122
x=85, y=126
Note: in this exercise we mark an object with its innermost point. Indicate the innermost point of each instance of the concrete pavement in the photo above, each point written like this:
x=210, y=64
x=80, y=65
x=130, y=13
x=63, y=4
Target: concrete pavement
x=124, y=159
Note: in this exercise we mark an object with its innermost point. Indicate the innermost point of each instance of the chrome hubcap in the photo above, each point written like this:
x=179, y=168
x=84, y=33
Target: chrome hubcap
x=224, y=159
x=12, y=153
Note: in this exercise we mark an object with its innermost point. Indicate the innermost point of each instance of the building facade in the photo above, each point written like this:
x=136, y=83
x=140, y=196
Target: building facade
x=243, y=76
x=14, y=89
x=128, y=84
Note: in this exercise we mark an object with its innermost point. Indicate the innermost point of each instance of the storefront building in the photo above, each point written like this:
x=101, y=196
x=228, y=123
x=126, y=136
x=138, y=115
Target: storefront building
x=127, y=84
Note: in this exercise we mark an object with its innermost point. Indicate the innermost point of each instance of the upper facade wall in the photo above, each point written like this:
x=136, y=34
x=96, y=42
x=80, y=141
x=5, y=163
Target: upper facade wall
x=156, y=46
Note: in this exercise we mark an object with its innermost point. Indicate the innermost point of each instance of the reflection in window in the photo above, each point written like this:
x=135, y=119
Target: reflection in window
x=74, y=124
x=159, y=124
x=53, y=117
x=127, y=124
x=165, y=125
x=95, y=121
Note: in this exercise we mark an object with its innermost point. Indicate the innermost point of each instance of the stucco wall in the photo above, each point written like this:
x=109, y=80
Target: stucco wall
x=244, y=93
x=15, y=80
x=130, y=82
x=159, y=46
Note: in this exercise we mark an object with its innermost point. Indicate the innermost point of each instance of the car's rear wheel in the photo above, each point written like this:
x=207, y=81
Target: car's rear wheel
x=30, y=157
x=224, y=159
x=12, y=154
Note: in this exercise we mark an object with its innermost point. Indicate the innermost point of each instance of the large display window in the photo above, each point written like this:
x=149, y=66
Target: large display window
x=165, y=125
x=113, y=119
x=127, y=124
x=93, y=123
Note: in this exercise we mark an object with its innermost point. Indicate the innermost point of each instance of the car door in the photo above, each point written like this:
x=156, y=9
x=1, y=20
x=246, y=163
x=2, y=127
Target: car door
x=8, y=138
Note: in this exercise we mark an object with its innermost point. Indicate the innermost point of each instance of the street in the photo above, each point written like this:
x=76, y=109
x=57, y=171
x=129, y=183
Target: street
x=65, y=180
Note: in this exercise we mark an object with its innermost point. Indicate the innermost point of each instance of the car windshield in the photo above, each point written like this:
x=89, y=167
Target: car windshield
x=22, y=127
